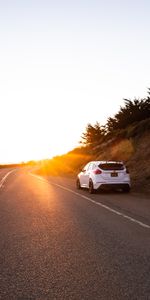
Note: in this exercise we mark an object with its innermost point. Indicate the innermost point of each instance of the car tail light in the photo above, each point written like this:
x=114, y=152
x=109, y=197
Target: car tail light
x=97, y=171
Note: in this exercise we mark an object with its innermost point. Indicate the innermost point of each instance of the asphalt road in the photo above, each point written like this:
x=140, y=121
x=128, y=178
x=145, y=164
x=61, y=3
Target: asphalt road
x=60, y=243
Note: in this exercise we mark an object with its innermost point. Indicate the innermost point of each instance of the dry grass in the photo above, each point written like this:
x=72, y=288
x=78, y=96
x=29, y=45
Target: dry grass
x=140, y=164
x=68, y=164
x=135, y=152
x=123, y=150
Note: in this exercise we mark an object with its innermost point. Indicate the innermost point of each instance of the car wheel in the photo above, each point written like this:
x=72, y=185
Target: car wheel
x=91, y=188
x=78, y=184
x=126, y=189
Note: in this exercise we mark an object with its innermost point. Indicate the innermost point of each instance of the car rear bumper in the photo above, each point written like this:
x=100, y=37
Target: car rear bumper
x=120, y=185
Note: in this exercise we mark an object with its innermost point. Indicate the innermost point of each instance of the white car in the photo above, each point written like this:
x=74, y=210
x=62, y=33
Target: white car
x=100, y=174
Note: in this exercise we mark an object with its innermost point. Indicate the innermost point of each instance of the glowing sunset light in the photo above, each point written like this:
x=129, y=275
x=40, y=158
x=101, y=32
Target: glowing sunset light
x=65, y=64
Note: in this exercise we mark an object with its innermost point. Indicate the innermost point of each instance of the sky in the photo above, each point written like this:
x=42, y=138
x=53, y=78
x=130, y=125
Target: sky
x=64, y=64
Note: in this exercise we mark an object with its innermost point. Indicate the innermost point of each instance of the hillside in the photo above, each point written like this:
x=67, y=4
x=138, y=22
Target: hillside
x=132, y=145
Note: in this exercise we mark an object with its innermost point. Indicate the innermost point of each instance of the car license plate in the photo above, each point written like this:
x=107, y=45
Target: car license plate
x=114, y=174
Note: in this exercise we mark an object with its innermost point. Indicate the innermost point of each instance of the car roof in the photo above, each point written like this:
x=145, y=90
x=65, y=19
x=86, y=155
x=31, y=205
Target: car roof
x=106, y=162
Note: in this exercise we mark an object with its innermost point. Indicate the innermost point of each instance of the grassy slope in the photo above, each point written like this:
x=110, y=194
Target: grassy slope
x=132, y=146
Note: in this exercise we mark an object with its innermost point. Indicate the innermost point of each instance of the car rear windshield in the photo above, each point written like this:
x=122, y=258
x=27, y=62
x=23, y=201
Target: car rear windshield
x=111, y=166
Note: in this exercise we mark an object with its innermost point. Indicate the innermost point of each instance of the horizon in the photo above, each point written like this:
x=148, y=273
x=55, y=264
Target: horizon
x=64, y=65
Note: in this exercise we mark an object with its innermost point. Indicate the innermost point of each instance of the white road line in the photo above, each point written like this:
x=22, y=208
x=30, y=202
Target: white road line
x=96, y=203
x=4, y=178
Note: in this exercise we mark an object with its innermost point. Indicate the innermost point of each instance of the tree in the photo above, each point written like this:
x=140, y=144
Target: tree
x=92, y=135
x=111, y=125
x=133, y=111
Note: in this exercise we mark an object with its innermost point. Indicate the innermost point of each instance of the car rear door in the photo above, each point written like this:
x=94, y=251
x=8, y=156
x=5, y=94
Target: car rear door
x=87, y=174
x=83, y=176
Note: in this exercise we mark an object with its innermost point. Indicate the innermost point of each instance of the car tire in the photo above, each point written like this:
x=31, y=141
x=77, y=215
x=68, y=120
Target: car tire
x=126, y=189
x=78, y=185
x=91, y=188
